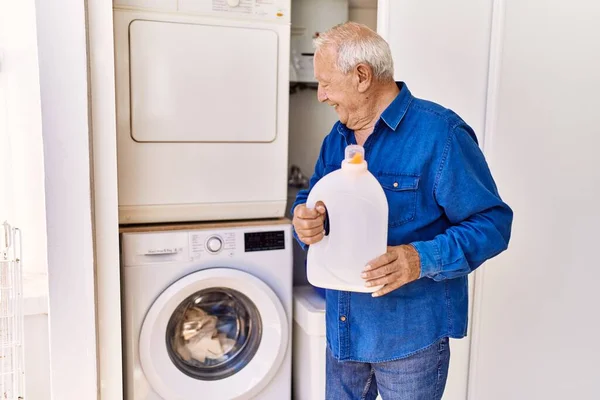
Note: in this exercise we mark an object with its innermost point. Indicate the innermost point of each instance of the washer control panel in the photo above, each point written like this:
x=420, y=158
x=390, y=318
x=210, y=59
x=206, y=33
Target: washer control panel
x=203, y=243
x=214, y=244
x=147, y=248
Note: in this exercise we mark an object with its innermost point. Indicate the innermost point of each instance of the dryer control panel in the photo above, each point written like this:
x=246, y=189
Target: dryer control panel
x=276, y=10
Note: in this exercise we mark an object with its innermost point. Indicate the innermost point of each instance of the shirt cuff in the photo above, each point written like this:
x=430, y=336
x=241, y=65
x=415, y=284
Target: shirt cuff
x=429, y=254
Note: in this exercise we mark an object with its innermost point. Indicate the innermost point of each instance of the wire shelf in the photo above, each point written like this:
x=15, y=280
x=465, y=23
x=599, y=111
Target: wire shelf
x=12, y=379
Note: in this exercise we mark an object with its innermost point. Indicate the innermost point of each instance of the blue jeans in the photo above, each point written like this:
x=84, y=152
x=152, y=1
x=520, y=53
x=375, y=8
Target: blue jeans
x=421, y=376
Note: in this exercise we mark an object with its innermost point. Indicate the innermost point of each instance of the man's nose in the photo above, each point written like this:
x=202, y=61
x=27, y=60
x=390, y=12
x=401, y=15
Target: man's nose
x=321, y=95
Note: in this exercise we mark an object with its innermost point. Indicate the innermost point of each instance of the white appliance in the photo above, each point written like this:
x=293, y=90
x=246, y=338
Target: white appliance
x=207, y=311
x=202, y=109
x=309, y=18
x=309, y=344
x=309, y=350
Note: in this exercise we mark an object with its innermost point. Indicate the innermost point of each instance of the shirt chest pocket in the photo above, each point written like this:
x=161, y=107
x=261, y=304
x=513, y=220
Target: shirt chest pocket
x=401, y=191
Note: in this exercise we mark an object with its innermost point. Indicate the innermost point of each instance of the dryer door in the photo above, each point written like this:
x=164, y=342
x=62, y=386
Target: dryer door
x=219, y=332
x=198, y=83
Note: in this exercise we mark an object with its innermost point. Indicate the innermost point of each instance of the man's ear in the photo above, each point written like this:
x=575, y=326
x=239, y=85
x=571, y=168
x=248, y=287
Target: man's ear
x=363, y=74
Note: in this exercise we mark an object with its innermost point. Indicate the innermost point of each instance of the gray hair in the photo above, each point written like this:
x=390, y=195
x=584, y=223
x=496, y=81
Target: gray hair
x=356, y=43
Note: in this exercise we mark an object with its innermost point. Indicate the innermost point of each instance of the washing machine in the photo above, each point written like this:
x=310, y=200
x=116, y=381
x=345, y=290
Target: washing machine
x=207, y=311
x=202, y=103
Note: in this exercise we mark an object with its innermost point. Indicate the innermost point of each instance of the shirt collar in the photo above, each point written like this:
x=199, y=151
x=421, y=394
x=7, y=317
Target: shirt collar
x=393, y=114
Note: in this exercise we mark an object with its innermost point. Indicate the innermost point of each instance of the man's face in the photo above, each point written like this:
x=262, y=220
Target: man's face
x=335, y=88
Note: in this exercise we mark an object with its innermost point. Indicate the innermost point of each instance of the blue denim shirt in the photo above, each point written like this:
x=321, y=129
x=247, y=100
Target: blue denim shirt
x=442, y=200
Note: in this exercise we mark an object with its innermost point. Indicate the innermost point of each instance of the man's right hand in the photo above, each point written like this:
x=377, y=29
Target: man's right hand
x=309, y=223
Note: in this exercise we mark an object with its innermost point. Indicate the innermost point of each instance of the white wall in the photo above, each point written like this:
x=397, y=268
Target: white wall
x=6, y=198
x=441, y=50
x=310, y=122
x=64, y=98
x=367, y=16
x=21, y=153
x=539, y=320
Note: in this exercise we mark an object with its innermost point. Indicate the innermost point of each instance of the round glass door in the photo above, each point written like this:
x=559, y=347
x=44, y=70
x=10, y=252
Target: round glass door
x=214, y=333
x=219, y=331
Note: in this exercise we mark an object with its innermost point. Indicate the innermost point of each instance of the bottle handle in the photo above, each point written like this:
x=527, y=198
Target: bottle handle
x=311, y=203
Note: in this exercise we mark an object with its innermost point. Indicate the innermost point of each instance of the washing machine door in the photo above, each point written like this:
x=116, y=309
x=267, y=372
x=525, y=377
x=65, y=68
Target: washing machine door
x=215, y=334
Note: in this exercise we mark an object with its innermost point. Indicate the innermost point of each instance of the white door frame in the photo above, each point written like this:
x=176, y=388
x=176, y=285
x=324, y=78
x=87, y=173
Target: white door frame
x=62, y=51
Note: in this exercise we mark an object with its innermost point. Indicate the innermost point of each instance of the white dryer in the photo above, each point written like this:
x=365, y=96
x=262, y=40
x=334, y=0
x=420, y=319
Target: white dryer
x=207, y=311
x=202, y=90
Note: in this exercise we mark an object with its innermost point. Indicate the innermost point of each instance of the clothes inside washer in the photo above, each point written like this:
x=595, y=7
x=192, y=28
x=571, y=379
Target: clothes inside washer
x=200, y=338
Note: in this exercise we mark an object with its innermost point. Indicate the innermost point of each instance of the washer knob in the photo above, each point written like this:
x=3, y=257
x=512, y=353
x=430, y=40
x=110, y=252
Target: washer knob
x=214, y=244
x=233, y=3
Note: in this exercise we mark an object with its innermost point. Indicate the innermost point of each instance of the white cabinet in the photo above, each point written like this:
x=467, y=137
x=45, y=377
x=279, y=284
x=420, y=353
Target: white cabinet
x=539, y=325
x=526, y=77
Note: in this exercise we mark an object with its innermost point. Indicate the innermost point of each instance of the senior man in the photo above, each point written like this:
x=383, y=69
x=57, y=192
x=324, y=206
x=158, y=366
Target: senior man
x=445, y=219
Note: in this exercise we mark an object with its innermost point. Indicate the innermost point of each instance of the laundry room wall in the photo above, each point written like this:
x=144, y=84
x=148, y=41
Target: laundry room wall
x=22, y=197
x=364, y=13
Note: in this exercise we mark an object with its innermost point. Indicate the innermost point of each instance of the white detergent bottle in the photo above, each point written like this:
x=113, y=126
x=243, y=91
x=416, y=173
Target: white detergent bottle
x=358, y=222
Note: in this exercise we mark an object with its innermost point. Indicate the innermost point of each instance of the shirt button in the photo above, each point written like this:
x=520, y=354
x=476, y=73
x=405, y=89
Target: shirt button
x=343, y=318
x=395, y=184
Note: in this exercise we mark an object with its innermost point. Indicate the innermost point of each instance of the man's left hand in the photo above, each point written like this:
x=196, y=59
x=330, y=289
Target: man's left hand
x=399, y=266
